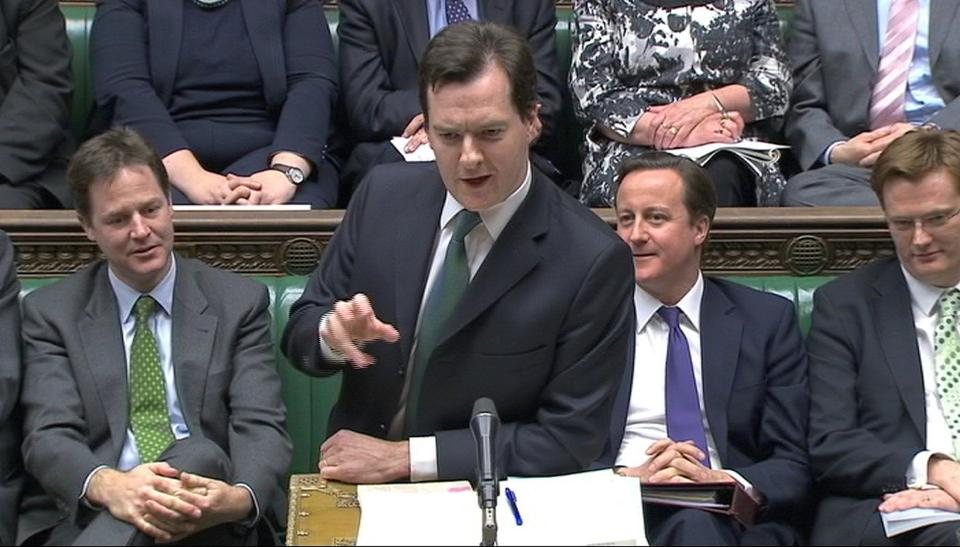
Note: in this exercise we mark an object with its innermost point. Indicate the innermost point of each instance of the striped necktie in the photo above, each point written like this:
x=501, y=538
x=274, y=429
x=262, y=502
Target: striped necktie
x=890, y=91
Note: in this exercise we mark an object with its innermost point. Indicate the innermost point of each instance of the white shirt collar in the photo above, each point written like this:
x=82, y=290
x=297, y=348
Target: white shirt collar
x=646, y=305
x=127, y=296
x=495, y=218
x=924, y=296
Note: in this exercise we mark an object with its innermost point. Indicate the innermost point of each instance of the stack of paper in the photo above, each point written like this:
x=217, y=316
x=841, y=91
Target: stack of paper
x=591, y=508
x=899, y=522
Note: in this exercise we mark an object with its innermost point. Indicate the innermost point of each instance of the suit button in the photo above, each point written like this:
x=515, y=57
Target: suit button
x=382, y=427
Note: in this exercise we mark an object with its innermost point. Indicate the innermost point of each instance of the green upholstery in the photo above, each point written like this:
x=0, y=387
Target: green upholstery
x=79, y=17
x=309, y=400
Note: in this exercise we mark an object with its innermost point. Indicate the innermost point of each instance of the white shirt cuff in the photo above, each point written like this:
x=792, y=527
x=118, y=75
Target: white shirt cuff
x=86, y=486
x=423, y=459
x=328, y=353
x=825, y=157
x=250, y=522
x=917, y=472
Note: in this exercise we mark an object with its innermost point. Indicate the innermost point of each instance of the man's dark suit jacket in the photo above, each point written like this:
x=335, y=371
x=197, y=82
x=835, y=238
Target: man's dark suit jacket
x=135, y=47
x=868, y=414
x=75, y=396
x=835, y=53
x=35, y=92
x=542, y=328
x=10, y=371
x=755, y=397
x=382, y=42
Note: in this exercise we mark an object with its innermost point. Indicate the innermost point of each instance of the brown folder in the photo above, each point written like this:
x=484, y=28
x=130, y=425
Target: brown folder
x=729, y=498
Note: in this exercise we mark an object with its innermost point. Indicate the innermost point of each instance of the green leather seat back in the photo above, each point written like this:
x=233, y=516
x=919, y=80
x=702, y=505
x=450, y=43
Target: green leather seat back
x=79, y=19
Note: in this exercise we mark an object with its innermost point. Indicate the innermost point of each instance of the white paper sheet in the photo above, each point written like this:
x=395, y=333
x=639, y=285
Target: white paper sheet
x=422, y=153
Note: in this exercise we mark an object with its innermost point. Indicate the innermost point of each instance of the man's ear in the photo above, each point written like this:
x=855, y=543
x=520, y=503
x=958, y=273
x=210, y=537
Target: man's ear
x=534, y=125
x=85, y=224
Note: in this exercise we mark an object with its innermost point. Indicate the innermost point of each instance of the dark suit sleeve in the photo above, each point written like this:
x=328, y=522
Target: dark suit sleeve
x=783, y=476
x=35, y=76
x=571, y=424
x=311, y=68
x=55, y=431
x=847, y=458
x=809, y=128
x=260, y=448
x=9, y=392
x=121, y=74
x=376, y=110
x=542, y=36
x=327, y=284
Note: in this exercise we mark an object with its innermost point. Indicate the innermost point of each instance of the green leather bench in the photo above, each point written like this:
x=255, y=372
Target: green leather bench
x=309, y=400
x=79, y=16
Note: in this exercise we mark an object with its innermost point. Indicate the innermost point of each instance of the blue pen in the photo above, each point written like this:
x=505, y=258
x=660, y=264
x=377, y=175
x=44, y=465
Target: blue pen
x=512, y=500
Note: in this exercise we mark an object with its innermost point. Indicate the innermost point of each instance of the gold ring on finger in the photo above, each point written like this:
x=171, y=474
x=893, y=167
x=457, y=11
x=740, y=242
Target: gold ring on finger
x=673, y=130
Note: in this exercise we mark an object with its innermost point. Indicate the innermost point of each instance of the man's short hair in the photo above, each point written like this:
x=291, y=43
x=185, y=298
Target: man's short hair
x=699, y=195
x=916, y=155
x=462, y=52
x=101, y=159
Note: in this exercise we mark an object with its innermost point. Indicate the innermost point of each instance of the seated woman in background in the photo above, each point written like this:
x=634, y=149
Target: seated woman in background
x=236, y=96
x=669, y=74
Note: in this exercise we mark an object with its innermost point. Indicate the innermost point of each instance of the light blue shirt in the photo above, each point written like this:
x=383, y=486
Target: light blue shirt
x=162, y=326
x=923, y=100
x=437, y=13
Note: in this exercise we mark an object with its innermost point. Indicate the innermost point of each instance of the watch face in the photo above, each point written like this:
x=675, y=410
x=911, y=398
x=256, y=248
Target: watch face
x=296, y=175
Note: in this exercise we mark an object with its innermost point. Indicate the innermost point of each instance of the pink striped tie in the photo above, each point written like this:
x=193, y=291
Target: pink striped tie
x=890, y=91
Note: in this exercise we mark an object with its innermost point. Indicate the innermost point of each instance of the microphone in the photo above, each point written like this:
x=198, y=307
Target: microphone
x=484, y=424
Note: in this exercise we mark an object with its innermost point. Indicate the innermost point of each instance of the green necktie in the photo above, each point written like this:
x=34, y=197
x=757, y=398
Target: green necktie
x=947, y=350
x=149, y=417
x=452, y=280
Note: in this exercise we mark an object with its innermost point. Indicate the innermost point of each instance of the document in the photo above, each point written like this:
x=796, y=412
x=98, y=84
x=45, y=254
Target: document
x=899, y=522
x=244, y=208
x=728, y=498
x=422, y=153
x=753, y=153
x=590, y=508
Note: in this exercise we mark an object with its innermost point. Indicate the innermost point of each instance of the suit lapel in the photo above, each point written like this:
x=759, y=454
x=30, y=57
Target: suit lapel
x=102, y=338
x=413, y=17
x=165, y=35
x=416, y=231
x=193, y=336
x=720, y=332
x=863, y=19
x=942, y=14
x=898, y=341
x=513, y=255
x=263, y=21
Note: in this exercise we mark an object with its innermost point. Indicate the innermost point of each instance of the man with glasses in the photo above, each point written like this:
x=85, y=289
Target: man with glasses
x=884, y=353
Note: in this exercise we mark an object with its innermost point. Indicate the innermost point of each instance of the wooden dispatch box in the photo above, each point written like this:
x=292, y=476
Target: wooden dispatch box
x=322, y=512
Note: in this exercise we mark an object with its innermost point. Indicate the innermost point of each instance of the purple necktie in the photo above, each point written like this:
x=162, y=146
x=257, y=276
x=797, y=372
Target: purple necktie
x=684, y=420
x=457, y=12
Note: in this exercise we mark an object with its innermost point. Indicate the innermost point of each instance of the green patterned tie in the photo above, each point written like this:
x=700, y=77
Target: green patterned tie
x=947, y=349
x=452, y=280
x=149, y=417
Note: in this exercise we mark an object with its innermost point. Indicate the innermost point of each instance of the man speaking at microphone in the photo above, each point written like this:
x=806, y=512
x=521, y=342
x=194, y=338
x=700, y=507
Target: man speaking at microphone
x=469, y=277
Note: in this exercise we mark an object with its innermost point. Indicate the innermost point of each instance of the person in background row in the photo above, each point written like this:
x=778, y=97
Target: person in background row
x=866, y=72
x=474, y=276
x=11, y=476
x=884, y=371
x=719, y=375
x=236, y=96
x=35, y=91
x=151, y=401
x=664, y=74
x=381, y=44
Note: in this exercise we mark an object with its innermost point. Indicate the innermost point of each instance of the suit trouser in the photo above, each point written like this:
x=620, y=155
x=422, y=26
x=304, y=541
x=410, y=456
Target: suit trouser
x=679, y=526
x=830, y=186
x=194, y=455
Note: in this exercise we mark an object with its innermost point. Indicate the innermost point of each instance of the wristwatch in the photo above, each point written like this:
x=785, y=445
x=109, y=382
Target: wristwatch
x=294, y=174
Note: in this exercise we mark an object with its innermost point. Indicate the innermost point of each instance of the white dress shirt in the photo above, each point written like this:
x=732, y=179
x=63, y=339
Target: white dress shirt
x=647, y=415
x=478, y=243
x=926, y=311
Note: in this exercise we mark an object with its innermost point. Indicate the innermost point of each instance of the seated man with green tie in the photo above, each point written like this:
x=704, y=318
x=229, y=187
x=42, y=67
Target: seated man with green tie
x=152, y=407
x=884, y=369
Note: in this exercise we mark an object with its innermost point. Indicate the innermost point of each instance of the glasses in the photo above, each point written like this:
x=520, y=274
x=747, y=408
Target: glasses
x=928, y=223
